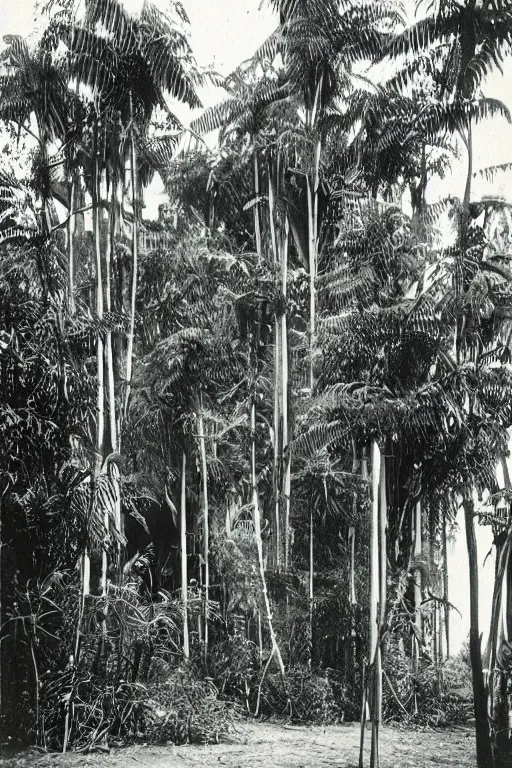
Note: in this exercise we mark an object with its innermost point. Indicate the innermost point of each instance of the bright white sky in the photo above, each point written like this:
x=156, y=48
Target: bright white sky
x=225, y=32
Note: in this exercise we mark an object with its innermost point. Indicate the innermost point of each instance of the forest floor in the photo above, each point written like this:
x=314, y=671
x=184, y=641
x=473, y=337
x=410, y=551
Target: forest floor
x=279, y=746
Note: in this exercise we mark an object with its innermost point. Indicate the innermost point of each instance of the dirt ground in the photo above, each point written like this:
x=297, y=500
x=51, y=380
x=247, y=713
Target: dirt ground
x=270, y=745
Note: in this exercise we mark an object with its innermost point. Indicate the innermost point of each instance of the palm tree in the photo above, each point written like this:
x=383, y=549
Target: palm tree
x=472, y=39
x=129, y=79
x=241, y=117
x=34, y=96
x=318, y=48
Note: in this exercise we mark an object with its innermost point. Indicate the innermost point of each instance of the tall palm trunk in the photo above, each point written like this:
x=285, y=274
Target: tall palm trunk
x=183, y=554
x=100, y=371
x=108, y=342
x=282, y=455
x=364, y=677
x=100, y=407
x=372, y=685
x=71, y=246
x=135, y=260
x=312, y=185
x=259, y=544
x=311, y=580
x=483, y=741
x=375, y=595
x=383, y=533
x=257, y=223
x=467, y=191
x=446, y=593
x=500, y=705
x=312, y=196
x=352, y=539
x=285, y=384
x=278, y=445
x=206, y=528
x=417, y=583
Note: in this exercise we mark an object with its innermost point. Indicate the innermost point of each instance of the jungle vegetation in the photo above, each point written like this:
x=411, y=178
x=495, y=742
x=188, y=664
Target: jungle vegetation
x=235, y=441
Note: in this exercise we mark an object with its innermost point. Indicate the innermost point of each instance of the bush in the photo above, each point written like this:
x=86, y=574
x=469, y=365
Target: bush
x=312, y=697
x=435, y=698
x=129, y=682
x=187, y=710
x=234, y=665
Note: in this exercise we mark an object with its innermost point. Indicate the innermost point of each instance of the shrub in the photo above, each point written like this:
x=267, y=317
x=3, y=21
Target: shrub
x=186, y=710
x=429, y=697
x=310, y=697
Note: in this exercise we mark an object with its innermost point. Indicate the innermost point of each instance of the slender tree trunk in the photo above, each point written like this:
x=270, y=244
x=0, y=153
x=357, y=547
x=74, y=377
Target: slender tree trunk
x=483, y=741
x=365, y=672
x=183, y=551
x=417, y=581
x=352, y=539
x=259, y=544
x=499, y=703
x=383, y=532
x=256, y=208
x=135, y=261
x=100, y=407
x=285, y=383
x=206, y=527
x=312, y=197
x=375, y=594
x=446, y=593
x=467, y=190
x=282, y=456
x=278, y=446
x=311, y=580
x=312, y=185
x=498, y=676
x=71, y=247
x=108, y=342
x=100, y=371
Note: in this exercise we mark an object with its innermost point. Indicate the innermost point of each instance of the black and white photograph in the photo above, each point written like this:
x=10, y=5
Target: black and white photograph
x=256, y=383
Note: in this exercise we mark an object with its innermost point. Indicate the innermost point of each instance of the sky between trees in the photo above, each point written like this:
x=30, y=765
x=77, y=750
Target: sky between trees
x=225, y=32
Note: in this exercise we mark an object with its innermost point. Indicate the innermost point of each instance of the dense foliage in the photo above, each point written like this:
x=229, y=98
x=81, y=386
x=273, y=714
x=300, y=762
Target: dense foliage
x=233, y=442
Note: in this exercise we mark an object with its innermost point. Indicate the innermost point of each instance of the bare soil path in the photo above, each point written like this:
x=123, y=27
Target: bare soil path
x=268, y=745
